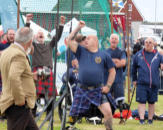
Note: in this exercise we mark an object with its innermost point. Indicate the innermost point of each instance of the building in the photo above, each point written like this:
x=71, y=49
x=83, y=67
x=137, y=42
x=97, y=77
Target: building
x=135, y=17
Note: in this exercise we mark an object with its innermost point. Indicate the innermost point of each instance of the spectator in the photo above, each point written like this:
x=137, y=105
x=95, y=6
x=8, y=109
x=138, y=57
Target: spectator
x=42, y=56
x=18, y=91
x=119, y=58
x=145, y=73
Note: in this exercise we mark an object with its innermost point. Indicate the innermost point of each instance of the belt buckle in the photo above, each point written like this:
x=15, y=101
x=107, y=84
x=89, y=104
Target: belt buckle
x=91, y=87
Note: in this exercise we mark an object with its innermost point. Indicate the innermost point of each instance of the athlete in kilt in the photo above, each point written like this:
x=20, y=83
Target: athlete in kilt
x=92, y=65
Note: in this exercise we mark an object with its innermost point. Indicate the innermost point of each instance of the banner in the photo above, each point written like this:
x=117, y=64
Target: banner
x=8, y=14
x=118, y=3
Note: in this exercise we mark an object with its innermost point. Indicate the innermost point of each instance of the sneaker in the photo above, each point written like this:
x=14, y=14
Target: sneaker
x=141, y=121
x=150, y=122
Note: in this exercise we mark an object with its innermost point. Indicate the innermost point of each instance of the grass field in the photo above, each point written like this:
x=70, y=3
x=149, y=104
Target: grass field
x=130, y=124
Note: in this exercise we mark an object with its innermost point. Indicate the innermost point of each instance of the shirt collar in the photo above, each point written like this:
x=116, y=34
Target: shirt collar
x=19, y=45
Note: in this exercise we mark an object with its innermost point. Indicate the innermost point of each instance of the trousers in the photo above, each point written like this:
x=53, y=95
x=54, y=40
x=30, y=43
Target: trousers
x=20, y=118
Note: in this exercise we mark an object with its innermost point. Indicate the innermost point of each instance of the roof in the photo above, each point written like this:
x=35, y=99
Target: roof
x=37, y=5
x=80, y=5
x=135, y=14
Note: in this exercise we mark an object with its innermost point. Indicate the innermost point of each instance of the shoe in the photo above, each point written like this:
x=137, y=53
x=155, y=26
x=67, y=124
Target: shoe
x=141, y=121
x=150, y=122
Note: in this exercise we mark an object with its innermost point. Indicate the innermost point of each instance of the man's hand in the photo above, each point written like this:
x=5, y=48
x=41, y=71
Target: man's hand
x=81, y=24
x=115, y=60
x=105, y=89
x=35, y=77
x=134, y=83
x=29, y=17
x=62, y=19
x=21, y=104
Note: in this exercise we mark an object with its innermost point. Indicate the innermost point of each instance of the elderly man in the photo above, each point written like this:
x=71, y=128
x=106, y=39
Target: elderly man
x=145, y=73
x=42, y=55
x=91, y=88
x=18, y=88
x=119, y=58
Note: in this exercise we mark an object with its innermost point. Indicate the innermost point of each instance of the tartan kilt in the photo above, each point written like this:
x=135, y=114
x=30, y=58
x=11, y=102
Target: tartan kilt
x=40, y=84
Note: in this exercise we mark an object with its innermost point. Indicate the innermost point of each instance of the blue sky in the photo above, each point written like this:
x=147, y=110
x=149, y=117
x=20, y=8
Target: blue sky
x=147, y=9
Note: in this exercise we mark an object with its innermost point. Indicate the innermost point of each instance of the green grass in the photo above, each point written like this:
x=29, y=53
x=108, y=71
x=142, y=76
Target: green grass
x=130, y=124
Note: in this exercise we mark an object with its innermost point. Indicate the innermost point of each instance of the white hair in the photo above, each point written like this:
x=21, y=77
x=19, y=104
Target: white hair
x=114, y=34
x=23, y=35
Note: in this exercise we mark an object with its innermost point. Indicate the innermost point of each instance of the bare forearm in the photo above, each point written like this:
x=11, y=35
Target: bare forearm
x=111, y=77
x=71, y=42
x=119, y=63
x=73, y=33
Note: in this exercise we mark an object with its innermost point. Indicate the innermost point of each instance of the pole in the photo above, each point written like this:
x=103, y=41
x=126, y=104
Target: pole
x=55, y=67
x=63, y=123
x=128, y=50
x=18, y=13
x=111, y=15
x=155, y=14
x=130, y=103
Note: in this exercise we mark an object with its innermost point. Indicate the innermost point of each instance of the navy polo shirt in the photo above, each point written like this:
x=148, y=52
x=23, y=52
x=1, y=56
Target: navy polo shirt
x=92, y=66
x=119, y=54
x=4, y=46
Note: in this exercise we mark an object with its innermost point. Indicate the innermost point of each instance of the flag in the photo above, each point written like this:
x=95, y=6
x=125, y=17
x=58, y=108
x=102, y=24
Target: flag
x=119, y=26
x=117, y=3
x=8, y=14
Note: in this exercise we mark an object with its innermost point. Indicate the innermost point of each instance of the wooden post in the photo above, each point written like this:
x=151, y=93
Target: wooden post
x=18, y=13
x=128, y=50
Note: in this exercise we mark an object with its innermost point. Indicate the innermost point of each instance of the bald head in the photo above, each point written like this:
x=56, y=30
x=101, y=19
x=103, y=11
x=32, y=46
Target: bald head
x=91, y=42
x=23, y=35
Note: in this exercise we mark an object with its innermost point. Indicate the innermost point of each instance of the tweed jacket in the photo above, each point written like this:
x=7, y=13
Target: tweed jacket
x=17, y=79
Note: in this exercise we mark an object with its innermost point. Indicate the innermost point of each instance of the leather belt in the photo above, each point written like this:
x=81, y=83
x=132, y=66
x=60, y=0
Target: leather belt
x=85, y=87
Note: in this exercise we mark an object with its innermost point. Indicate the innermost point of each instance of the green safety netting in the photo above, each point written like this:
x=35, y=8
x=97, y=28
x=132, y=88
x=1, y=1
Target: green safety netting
x=94, y=12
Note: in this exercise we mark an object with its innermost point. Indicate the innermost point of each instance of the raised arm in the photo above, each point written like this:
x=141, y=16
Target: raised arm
x=62, y=22
x=28, y=19
x=71, y=42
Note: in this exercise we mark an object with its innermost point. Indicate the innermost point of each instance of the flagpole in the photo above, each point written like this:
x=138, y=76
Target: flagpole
x=18, y=12
x=155, y=13
x=128, y=50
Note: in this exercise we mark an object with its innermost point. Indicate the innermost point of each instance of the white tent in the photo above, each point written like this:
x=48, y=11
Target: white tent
x=84, y=31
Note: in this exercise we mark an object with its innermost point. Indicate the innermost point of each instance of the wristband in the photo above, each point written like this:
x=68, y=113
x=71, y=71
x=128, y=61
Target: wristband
x=108, y=85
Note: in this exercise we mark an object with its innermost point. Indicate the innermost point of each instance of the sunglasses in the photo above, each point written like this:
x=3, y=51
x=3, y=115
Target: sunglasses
x=148, y=42
x=83, y=38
